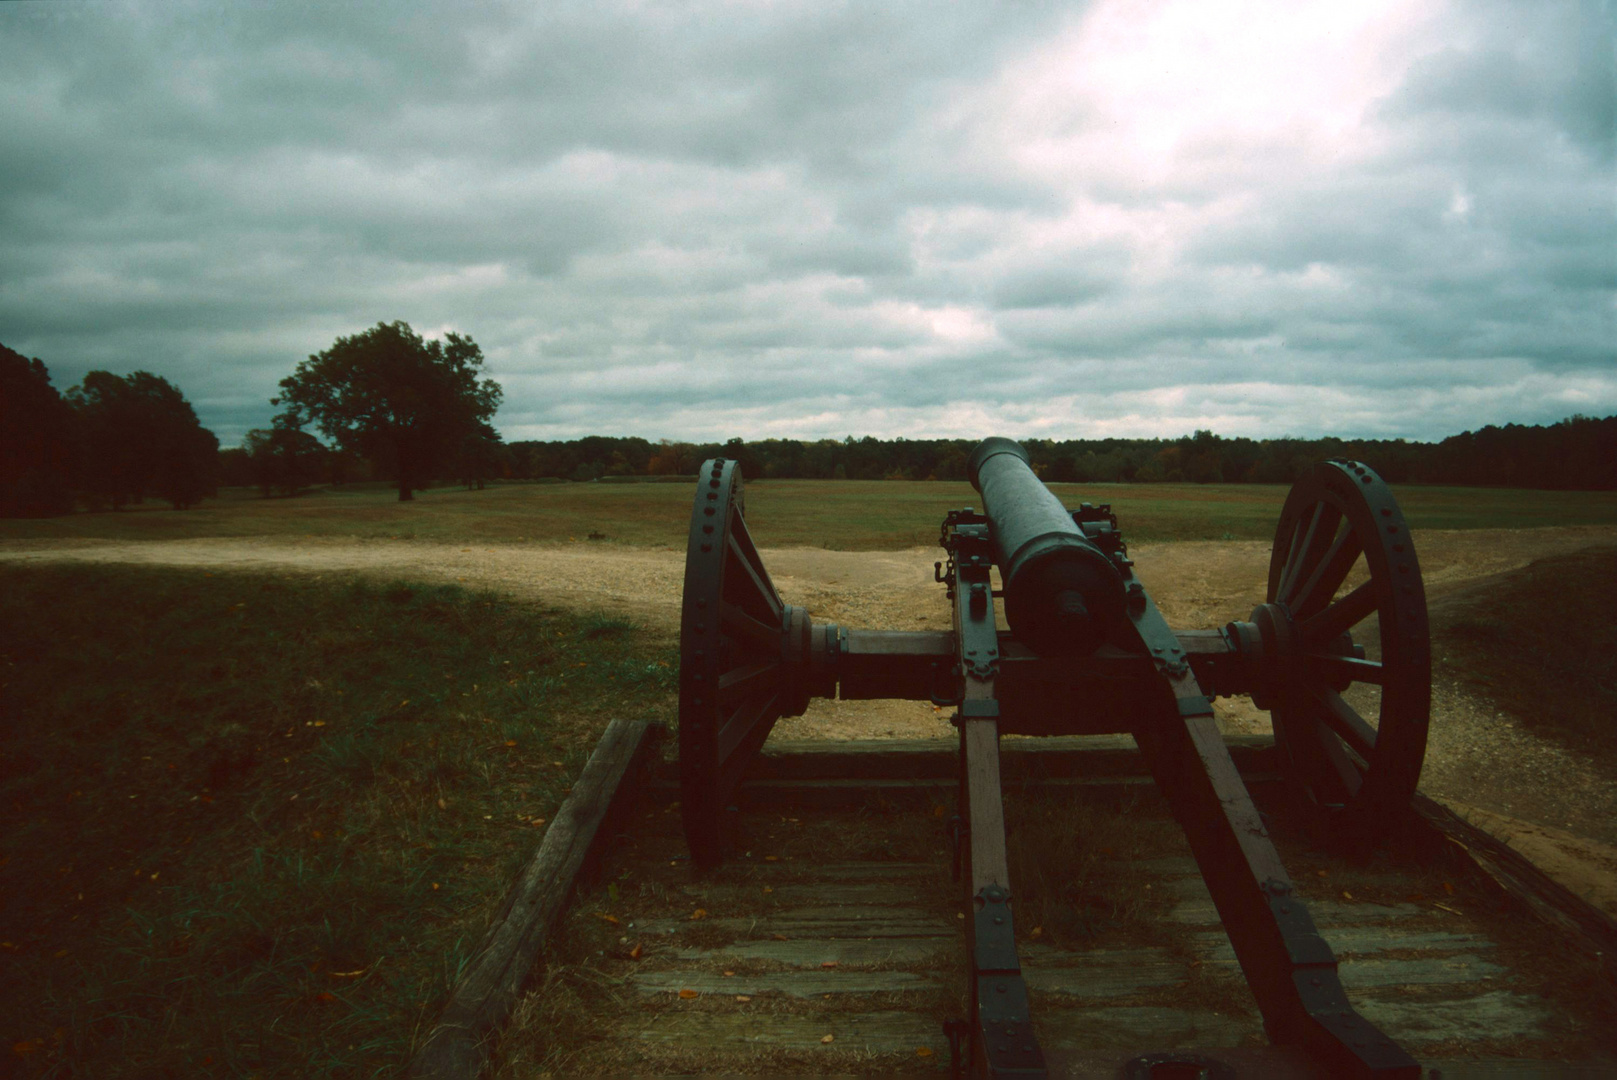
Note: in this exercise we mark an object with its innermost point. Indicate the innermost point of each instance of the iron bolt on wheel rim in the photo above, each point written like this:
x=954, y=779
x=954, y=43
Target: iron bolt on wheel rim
x=731, y=682
x=1344, y=583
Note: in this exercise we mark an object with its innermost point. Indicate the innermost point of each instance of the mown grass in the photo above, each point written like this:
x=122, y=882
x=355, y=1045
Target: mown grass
x=253, y=825
x=846, y=515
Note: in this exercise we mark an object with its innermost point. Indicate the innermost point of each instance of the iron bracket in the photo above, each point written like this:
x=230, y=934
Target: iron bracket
x=1004, y=1023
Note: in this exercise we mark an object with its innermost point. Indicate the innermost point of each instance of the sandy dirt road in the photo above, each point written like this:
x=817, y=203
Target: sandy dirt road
x=1477, y=758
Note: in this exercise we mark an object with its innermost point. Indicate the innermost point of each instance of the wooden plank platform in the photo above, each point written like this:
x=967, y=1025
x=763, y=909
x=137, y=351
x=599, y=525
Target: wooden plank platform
x=822, y=947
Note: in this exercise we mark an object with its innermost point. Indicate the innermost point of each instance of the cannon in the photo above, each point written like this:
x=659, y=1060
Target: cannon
x=1338, y=653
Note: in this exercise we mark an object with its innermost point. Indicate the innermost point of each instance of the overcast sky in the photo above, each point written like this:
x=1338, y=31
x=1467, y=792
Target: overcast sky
x=816, y=219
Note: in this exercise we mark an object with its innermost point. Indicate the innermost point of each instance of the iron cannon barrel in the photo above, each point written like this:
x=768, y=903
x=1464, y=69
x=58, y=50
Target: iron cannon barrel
x=1061, y=591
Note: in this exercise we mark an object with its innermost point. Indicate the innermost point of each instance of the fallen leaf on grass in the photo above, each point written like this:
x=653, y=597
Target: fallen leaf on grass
x=1346, y=895
x=780, y=937
x=604, y=917
x=743, y=997
x=510, y=742
x=828, y=963
x=729, y=974
x=699, y=913
x=828, y=1038
x=1037, y=931
x=325, y=996
x=923, y=1051
x=688, y=994
x=636, y=952
x=349, y=974
x=442, y=805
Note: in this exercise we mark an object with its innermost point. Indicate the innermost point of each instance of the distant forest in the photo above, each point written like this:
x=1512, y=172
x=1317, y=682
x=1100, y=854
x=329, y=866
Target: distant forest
x=117, y=440
x=1578, y=453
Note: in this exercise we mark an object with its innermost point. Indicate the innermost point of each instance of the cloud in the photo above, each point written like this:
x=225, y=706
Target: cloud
x=810, y=220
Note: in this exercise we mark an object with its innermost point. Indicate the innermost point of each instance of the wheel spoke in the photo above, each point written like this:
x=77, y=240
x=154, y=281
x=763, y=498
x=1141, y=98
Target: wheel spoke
x=746, y=716
x=1341, y=718
x=1331, y=775
x=1328, y=576
x=1341, y=616
x=1333, y=668
x=745, y=681
x=755, y=581
x=1301, y=541
x=738, y=624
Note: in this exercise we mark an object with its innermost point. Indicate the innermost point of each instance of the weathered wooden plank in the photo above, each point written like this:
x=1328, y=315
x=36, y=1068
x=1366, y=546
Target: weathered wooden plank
x=1546, y=898
x=456, y=1048
x=1327, y=913
x=883, y=1032
x=813, y=954
x=1103, y=973
x=1021, y=759
x=1137, y=1026
x=1369, y=940
x=832, y=876
x=827, y=794
x=803, y=984
x=1498, y=1015
x=856, y=921
x=867, y=892
x=1452, y=969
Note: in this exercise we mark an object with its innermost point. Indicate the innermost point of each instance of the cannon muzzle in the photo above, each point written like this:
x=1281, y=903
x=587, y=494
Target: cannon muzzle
x=1061, y=591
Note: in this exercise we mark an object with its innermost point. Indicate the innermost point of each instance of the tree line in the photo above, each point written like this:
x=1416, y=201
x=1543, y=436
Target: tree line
x=110, y=441
x=1578, y=454
x=395, y=406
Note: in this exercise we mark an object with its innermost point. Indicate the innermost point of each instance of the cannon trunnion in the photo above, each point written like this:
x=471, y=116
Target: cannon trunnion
x=1338, y=653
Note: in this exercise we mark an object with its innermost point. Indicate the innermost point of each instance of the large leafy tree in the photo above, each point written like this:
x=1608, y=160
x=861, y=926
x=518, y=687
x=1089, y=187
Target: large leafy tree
x=141, y=437
x=391, y=395
x=38, y=441
x=285, y=459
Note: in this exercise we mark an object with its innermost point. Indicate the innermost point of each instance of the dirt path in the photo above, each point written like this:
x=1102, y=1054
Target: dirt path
x=1477, y=757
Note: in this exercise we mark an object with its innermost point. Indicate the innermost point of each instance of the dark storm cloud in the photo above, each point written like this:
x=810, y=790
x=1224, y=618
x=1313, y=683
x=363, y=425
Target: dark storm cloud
x=809, y=219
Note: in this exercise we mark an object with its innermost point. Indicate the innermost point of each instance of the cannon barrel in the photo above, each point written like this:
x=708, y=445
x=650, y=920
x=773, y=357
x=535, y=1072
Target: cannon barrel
x=1061, y=591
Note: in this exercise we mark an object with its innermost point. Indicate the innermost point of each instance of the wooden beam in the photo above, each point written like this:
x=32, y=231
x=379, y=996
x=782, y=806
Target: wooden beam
x=1535, y=890
x=457, y=1048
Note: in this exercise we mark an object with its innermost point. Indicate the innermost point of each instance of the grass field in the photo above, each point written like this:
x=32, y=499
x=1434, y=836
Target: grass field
x=845, y=515
x=251, y=825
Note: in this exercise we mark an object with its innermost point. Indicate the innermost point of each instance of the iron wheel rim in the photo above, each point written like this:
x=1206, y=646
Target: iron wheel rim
x=730, y=675
x=1339, y=516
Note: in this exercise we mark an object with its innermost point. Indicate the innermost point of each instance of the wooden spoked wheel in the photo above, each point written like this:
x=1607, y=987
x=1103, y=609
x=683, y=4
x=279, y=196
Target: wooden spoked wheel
x=731, y=679
x=1347, y=669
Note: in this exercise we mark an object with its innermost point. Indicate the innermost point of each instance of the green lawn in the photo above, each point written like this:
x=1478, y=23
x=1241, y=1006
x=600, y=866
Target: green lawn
x=844, y=515
x=251, y=825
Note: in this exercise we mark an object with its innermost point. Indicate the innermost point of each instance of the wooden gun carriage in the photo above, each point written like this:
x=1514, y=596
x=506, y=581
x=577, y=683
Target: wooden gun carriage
x=1338, y=654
